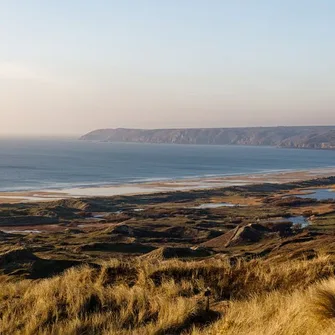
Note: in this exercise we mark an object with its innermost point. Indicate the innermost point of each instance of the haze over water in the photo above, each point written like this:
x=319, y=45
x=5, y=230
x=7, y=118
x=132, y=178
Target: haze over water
x=34, y=164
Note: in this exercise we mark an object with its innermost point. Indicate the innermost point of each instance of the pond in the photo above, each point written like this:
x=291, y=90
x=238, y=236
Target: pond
x=318, y=194
x=296, y=220
x=215, y=205
x=301, y=220
x=26, y=231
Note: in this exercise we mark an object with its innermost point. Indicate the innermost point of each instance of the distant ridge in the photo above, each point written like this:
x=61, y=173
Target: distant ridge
x=308, y=137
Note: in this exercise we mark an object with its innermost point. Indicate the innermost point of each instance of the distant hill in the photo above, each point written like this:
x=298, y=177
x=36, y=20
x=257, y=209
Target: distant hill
x=311, y=137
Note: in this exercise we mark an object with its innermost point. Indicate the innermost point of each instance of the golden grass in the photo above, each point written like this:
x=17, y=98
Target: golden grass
x=143, y=297
x=303, y=312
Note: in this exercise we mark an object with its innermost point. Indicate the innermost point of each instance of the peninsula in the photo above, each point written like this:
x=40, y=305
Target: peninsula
x=309, y=137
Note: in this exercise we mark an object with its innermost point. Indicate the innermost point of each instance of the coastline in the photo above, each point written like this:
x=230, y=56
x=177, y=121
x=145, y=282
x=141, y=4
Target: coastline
x=164, y=185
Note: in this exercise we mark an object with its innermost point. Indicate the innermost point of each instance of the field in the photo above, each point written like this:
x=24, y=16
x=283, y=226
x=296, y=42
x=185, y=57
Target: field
x=255, y=259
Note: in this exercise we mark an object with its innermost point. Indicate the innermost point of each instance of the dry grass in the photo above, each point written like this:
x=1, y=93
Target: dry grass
x=167, y=298
x=304, y=312
x=84, y=301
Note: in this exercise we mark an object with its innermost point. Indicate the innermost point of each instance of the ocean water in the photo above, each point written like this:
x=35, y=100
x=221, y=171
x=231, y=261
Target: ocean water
x=34, y=164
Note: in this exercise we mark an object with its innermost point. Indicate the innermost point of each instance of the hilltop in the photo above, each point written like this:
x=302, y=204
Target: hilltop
x=310, y=137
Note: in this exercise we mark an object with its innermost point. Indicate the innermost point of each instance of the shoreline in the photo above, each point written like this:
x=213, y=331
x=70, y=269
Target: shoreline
x=166, y=185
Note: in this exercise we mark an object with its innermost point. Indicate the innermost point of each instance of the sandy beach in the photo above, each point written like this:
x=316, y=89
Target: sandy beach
x=165, y=186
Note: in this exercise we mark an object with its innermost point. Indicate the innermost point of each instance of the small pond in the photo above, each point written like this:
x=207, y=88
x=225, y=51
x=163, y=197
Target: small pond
x=23, y=231
x=215, y=205
x=318, y=194
x=296, y=220
x=102, y=215
x=301, y=220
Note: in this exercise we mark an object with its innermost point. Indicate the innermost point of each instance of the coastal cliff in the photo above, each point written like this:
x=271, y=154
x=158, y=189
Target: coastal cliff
x=318, y=137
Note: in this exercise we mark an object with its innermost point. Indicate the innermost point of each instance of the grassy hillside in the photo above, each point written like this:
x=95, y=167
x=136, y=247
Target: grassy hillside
x=142, y=297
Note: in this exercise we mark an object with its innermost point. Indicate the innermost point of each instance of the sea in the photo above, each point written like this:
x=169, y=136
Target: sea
x=42, y=164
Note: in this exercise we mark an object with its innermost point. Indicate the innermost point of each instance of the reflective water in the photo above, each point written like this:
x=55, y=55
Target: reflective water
x=319, y=194
x=35, y=164
x=215, y=205
x=296, y=220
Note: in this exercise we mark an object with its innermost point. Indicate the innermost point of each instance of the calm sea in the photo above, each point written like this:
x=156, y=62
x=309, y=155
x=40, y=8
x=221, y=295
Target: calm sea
x=29, y=164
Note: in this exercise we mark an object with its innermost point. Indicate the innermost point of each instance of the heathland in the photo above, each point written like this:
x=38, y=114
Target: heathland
x=254, y=259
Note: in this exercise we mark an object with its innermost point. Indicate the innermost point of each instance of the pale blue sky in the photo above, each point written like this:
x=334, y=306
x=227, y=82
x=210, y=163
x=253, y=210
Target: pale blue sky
x=69, y=66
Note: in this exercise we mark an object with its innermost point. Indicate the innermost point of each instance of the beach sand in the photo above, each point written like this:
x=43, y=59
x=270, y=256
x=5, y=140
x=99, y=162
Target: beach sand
x=165, y=186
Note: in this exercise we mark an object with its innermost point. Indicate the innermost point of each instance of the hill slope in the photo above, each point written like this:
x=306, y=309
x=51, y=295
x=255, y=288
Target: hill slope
x=313, y=137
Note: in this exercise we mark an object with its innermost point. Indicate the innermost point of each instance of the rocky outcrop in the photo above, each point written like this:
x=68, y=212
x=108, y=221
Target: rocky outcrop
x=314, y=137
x=316, y=140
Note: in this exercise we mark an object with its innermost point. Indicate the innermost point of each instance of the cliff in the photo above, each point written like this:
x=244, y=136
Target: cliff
x=318, y=137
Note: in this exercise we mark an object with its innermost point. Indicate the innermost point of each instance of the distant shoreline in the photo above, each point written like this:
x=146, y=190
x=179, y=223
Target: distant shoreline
x=303, y=137
x=166, y=185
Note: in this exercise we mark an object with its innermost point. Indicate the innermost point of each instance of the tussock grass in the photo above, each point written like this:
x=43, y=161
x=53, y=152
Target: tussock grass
x=166, y=297
x=303, y=312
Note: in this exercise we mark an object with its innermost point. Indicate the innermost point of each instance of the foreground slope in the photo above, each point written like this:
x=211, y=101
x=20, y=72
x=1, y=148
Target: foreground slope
x=255, y=297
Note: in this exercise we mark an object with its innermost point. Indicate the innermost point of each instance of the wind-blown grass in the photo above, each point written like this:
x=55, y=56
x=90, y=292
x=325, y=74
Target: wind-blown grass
x=303, y=312
x=145, y=297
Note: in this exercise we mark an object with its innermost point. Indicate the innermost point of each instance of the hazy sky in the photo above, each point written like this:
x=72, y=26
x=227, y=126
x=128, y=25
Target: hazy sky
x=70, y=66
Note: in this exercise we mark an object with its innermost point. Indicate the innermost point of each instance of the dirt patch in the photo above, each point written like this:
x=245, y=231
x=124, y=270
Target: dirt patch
x=240, y=235
x=174, y=252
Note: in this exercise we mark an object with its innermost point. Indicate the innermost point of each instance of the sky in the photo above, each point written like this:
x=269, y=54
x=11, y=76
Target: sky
x=71, y=66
